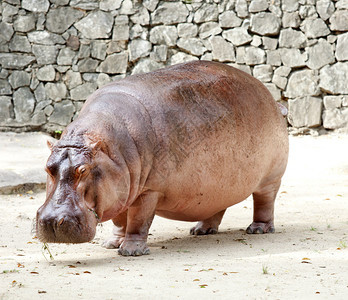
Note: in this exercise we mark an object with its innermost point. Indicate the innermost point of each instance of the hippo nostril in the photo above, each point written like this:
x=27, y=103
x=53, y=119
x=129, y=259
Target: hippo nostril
x=61, y=221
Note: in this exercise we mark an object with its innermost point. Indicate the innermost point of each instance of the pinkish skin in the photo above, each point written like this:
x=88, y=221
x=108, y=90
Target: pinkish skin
x=184, y=143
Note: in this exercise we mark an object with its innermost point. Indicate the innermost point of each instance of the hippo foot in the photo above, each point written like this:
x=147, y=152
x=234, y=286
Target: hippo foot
x=260, y=227
x=200, y=229
x=113, y=243
x=133, y=248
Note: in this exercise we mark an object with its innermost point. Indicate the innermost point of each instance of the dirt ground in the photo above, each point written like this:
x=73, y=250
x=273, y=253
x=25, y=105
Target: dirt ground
x=306, y=258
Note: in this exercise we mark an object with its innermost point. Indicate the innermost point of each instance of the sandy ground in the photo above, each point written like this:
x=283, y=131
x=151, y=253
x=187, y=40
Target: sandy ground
x=306, y=258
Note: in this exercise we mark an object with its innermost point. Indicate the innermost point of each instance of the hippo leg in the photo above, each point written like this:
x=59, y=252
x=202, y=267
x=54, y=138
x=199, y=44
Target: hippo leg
x=264, y=209
x=139, y=219
x=118, y=232
x=208, y=226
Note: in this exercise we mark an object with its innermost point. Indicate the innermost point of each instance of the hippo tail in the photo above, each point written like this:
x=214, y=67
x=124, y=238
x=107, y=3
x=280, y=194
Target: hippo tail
x=282, y=109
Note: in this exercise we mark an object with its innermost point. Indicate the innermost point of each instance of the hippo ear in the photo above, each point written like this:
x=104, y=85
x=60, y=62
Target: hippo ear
x=50, y=144
x=95, y=146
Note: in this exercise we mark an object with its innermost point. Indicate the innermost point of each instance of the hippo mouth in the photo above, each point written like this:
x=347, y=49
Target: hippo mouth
x=67, y=229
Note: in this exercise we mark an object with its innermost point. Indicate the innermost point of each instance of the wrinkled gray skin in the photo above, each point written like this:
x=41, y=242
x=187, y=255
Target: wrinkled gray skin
x=185, y=143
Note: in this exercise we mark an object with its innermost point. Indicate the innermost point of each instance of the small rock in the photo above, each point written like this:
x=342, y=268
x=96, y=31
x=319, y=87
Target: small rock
x=192, y=45
x=6, y=32
x=114, y=64
x=269, y=43
x=46, y=73
x=321, y=54
x=258, y=5
x=222, y=50
x=96, y=25
x=24, y=104
x=73, y=42
x=241, y=7
x=103, y=79
x=83, y=91
x=24, y=23
x=290, y=5
x=292, y=57
x=159, y=53
x=302, y=83
x=56, y=91
x=254, y=56
x=45, y=55
x=36, y=5
x=20, y=43
x=139, y=48
x=332, y=102
x=98, y=50
x=229, y=19
x=305, y=111
x=207, y=12
x=66, y=57
x=146, y=65
x=263, y=72
x=209, y=29
x=166, y=35
x=339, y=20
x=187, y=30
x=5, y=88
x=275, y=92
x=291, y=38
x=314, y=28
x=333, y=78
x=335, y=118
x=120, y=32
x=291, y=19
x=169, y=13
x=5, y=108
x=87, y=65
x=45, y=38
x=63, y=113
x=142, y=17
x=72, y=79
x=109, y=5
x=342, y=47
x=237, y=36
x=265, y=24
x=325, y=9
x=59, y=19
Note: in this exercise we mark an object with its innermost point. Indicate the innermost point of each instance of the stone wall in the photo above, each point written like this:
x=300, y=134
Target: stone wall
x=54, y=53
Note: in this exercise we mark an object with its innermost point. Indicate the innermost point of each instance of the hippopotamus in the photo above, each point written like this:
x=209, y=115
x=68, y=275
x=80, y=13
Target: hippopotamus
x=184, y=142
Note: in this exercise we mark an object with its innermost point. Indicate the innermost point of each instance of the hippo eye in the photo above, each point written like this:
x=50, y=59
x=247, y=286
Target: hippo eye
x=81, y=170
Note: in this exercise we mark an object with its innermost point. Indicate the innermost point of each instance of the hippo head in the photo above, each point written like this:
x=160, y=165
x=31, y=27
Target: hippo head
x=84, y=187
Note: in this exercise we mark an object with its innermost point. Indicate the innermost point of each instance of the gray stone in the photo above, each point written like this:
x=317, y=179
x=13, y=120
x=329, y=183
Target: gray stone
x=66, y=57
x=18, y=79
x=181, y=57
x=229, y=19
x=120, y=32
x=146, y=65
x=96, y=25
x=291, y=19
x=109, y=5
x=302, y=83
x=6, y=32
x=170, y=13
x=60, y=2
x=24, y=23
x=269, y=43
x=121, y=20
x=98, y=50
x=137, y=31
x=84, y=52
x=159, y=53
x=90, y=77
x=87, y=65
x=72, y=79
x=209, y=29
x=20, y=43
x=290, y=5
x=114, y=64
x=275, y=92
x=243, y=68
x=5, y=108
x=5, y=88
x=207, y=56
x=241, y=7
x=207, y=12
x=192, y=45
x=150, y=4
x=127, y=8
x=237, y=36
x=282, y=71
x=263, y=72
x=45, y=38
x=280, y=81
x=305, y=111
x=331, y=102
x=8, y=12
x=36, y=5
x=63, y=113
x=15, y=61
x=308, y=12
x=59, y=19
x=82, y=92
x=342, y=4
x=333, y=78
x=3, y=73
x=265, y=24
x=274, y=7
x=114, y=47
x=293, y=58
x=314, y=28
x=342, y=47
x=258, y=5
x=24, y=104
x=45, y=54
x=85, y=4
x=320, y=54
x=139, y=48
x=187, y=30
x=103, y=79
x=48, y=110
x=256, y=42
x=240, y=55
x=335, y=118
x=46, y=73
x=56, y=91
x=40, y=93
x=166, y=35
x=325, y=9
x=142, y=17
x=291, y=38
x=222, y=50
x=254, y=56
x=339, y=20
